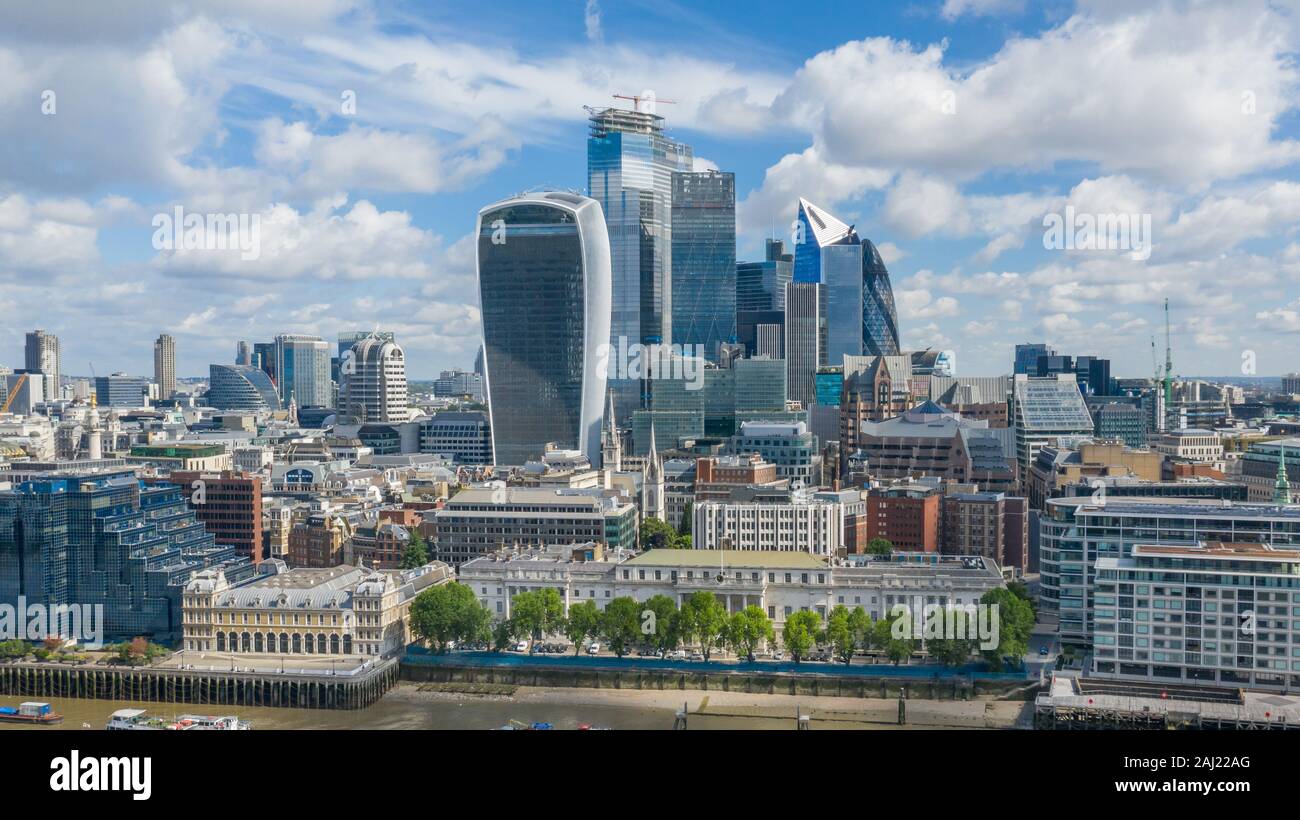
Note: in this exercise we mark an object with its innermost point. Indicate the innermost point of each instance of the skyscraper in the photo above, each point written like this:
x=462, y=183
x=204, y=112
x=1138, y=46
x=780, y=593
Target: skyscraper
x=374, y=382
x=244, y=353
x=860, y=314
x=42, y=356
x=805, y=339
x=543, y=264
x=704, y=260
x=164, y=365
x=761, y=285
x=630, y=164
x=302, y=367
x=1027, y=356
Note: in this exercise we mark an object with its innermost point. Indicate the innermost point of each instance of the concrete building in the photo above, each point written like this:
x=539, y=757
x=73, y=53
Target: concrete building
x=801, y=525
x=1057, y=466
x=338, y=611
x=183, y=456
x=1192, y=446
x=164, y=365
x=789, y=446
x=41, y=355
x=463, y=436
x=302, y=371
x=229, y=504
x=373, y=387
x=928, y=440
x=479, y=520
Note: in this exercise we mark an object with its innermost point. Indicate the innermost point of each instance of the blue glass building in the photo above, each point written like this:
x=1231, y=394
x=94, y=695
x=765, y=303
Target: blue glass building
x=241, y=387
x=704, y=261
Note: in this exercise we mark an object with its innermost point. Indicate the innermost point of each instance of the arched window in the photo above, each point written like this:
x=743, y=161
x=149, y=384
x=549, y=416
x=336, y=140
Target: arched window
x=347, y=644
x=245, y=642
x=221, y=642
x=308, y=643
x=297, y=643
x=257, y=642
x=334, y=644
x=284, y=643
x=322, y=646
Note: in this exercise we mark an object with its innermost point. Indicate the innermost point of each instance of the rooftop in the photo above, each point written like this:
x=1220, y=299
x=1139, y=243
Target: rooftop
x=767, y=559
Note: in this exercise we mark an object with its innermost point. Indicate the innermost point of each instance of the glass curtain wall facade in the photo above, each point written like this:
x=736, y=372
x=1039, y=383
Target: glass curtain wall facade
x=240, y=387
x=704, y=260
x=544, y=287
x=630, y=164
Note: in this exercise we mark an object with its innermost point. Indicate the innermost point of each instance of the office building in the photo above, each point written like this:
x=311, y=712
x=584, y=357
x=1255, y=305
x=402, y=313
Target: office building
x=244, y=354
x=324, y=612
x=241, y=387
x=20, y=393
x=229, y=504
x=476, y=521
x=42, y=356
x=907, y=514
x=1291, y=384
x=760, y=286
x=630, y=165
x=373, y=389
x=762, y=332
x=463, y=436
x=1076, y=532
x=1056, y=466
x=121, y=390
x=980, y=398
x=1044, y=409
x=805, y=340
x=302, y=371
x=928, y=440
x=545, y=296
x=1261, y=464
x=1120, y=421
x=105, y=539
x=459, y=383
x=860, y=313
x=164, y=365
x=704, y=261
x=875, y=388
x=801, y=525
x=789, y=445
x=1192, y=446
x=1027, y=357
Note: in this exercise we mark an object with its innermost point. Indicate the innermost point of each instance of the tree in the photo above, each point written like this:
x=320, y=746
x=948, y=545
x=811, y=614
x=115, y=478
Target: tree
x=538, y=613
x=862, y=626
x=706, y=617
x=659, y=630
x=880, y=546
x=748, y=628
x=448, y=612
x=894, y=636
x=583, y=623
x=657, y=535
x=947, y=649
x=14, y=649
x=504, y=634
x=620, y=624
x=1015, y=620
x=800, y=634
x=840, y=634
x=416, y=553
x=686, y=525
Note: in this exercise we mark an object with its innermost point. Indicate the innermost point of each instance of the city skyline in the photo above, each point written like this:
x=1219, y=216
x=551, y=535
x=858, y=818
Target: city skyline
x=365, y=172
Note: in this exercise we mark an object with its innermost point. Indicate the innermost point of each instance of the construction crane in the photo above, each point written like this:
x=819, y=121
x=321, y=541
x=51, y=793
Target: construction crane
x=638, y=98
x=13, y=393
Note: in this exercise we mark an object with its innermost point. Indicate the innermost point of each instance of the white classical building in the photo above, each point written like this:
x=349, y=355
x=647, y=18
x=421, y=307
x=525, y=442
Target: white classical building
x=780, y=583
x=805, y=525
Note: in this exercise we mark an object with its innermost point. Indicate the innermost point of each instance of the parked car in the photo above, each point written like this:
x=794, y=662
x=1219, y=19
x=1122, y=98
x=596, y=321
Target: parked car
x=677, y=655
x=697, y=656
x=593, y=649
x=1042, y=650
x=522, y=646
x=778, y=655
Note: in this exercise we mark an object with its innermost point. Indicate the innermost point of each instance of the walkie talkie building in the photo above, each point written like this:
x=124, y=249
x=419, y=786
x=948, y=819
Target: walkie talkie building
x=544, y=288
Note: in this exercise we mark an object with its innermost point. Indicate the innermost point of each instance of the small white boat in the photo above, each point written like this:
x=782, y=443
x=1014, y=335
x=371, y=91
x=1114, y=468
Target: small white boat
x=139, y=720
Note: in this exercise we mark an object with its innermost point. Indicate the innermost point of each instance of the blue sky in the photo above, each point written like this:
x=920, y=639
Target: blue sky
x=946, y=130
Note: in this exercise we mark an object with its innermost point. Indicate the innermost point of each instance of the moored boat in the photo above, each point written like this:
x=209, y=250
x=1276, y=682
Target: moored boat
x=33, y=712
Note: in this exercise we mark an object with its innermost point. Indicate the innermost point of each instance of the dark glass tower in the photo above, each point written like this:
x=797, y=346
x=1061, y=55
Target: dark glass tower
x=704, y=260
x=544, y=288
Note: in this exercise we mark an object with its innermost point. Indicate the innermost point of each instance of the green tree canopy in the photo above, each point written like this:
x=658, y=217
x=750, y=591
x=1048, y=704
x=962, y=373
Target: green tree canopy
x=448, y=612
x=840, y=634
x=660, y=629
x=583, y=623
x=897, y=649
x=620, y=624
x=658, y=535
x=801, y=632
x=1015, y=623
x=416, y=553
x=748, y=628
x=880, y=546
x=538, y=612
x=707, y=618
x=686, y=525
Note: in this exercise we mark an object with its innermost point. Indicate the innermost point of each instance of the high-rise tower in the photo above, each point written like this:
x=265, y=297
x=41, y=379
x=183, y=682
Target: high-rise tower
x=164, y=365
x=544, y=288
x=42, y=356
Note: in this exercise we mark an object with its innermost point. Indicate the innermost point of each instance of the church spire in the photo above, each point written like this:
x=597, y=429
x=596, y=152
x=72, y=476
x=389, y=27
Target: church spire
x=1282, y=487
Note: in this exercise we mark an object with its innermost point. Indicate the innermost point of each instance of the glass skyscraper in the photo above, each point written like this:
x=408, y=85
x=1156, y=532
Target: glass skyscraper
x=861, y=317
x=240, y=387
x=544, y=287
x=704, y=260
x=761, y=285
x=630, y=164
x=302, y=367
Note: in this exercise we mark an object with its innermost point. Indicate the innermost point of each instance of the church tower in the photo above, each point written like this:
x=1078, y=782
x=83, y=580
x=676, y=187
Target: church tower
x=652, y=484
x=611, y=448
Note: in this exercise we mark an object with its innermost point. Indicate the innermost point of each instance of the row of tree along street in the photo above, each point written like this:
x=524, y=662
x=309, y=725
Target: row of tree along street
x=449, y=614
